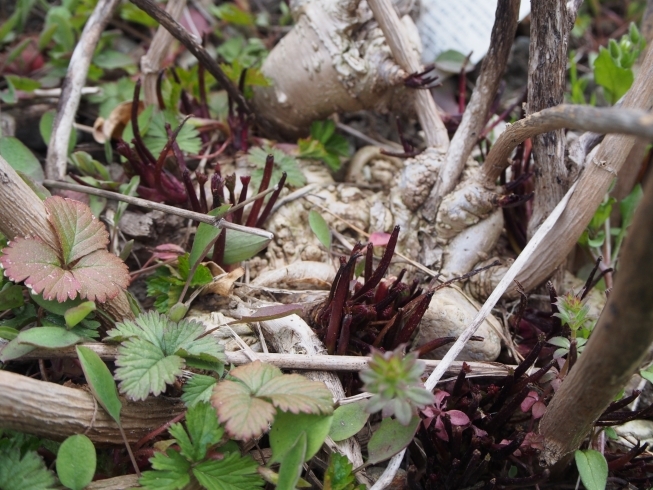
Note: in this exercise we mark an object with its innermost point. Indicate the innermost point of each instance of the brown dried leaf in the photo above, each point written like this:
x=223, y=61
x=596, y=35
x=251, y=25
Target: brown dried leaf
x=225, y=285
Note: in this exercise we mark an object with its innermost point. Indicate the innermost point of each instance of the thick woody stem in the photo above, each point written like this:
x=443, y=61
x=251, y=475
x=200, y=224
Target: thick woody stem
x=475, y=116
x=598, y=120
x=547, y=65
x=56, y=412
x=71, y=92
x=594, y=183
x=151, y=62
x=202, y=55
x=617, y=345
x=393, y=30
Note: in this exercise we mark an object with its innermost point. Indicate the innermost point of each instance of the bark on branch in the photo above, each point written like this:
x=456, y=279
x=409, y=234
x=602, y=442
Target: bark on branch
x=71, y=91
x=617, y=345
x=56, y=412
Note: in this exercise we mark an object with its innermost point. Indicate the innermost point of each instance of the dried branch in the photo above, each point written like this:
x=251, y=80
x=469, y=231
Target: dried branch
x=202, y=55
x=56, y=160
x=618, y=344
x=23, y=214
x=599, y=120
x=475, y=116
x=151, y=62
x=56, y=412
x=547, y=65
x=393, y=30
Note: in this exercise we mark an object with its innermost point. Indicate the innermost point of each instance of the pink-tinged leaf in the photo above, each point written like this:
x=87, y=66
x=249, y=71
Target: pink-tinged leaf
x=457, y=417
x=538, y=410
x=440, y=431
x=101, y=275
x=255, y=375
x=79, y=232
x=529, y=401
x=32, y=261
x=244, y=417
x=271, y=313
x=167, y=251
x=295, y=393
x=439, y=398
x=379, y=238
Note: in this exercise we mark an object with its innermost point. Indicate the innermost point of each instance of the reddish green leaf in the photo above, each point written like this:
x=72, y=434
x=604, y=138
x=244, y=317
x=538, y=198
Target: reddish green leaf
x=271, y=313
x=294, y=393
x=256, y=374
x=79, y=232
x=102, y=275
x=244, y=417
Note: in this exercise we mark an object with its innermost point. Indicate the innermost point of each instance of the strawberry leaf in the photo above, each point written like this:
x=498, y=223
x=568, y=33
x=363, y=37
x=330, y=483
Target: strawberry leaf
x=246, y=406
x=234, y=472
x=102, y=276
x=79, y=232
x=198, y=389
x=202, y=432
x=171, y=472
x=154, y=352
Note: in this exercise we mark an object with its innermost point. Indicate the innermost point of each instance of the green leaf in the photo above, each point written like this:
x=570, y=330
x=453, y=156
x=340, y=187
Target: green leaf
x=54, y=306
x=171, y=472
x=283, y=162
x=291, y=465
x=615, y=80
x=241, y=246
x=234, y=472
x=593, y=469
x=153, y=355
x=76, y=462
x=77, y=313
x=11, y=297
x=45, y=127
x=21, y=158
x=320, y=228
x=8, y=333
x=178, y=312
x=48, y=337
x=205, y=235
x=230, y=13
x=26, y=471
x=451, y=61
x=203, y=432
x=287, y=427
x=144, y=369
x=247, y=406
x=390, y=438
x=348, y=420
x=339, y=474
x=197, y=389
x=100, y=381
x=23, y=84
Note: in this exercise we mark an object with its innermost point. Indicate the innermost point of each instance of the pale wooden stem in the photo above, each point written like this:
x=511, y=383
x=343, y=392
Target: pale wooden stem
x=284, y=361
x=151, y=62
x=116, y=483
x=57, y=157
x=547, y=69
x=594, y=183
x=403, y=53
x=599, y=120
x=476, y=113
x=613, y=353
x=513, y=271
x=23, y=214
x=56, y=412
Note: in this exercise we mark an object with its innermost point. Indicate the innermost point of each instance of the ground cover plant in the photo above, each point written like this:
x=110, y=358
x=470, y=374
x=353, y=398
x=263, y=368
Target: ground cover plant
x=245, y=249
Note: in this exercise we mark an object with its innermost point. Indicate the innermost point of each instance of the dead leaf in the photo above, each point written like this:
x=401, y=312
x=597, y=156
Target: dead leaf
x=113, y=126
x=225, y=285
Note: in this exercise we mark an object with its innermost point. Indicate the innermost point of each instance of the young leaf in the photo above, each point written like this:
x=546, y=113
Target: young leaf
x=206, y=234
x=247, y=405
x=282, y=163
x=154, y=354
x=53, y=306
x=48, y=337
x=288, y=426
x=339, y=474
x=11, y=297
x=320, y=228
x=100, y=381
x=171, y=471
x=291, y=465
x=348, y=420
x=390, y=438
x=241, y=246
x=234, y=472
x=203, y=432
x=198, y=389
x=20, y=472
x=593, y=469
x=81, y=266
x=77, y=313
x=614, y=79
x=21, y=158
x=76, y=462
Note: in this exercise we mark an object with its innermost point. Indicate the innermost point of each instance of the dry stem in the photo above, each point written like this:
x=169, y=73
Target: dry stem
x=151, y=62
x=56, y=160
x=386, y=15
x=56, y=412
x=475, y=116
x=617, y=346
